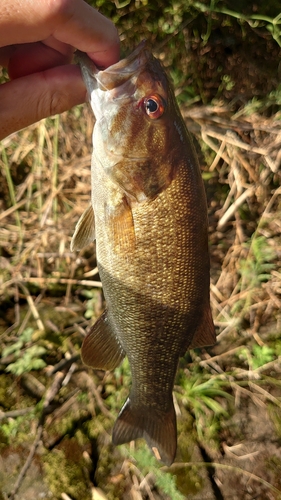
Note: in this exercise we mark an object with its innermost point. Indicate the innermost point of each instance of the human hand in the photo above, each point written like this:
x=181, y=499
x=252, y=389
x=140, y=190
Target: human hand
x=37, y=41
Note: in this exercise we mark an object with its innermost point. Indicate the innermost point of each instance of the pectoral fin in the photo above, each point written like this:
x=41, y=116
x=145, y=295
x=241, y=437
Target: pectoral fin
x=205, y=333
x=101, y=348
x=84, y=232
x=120, y=224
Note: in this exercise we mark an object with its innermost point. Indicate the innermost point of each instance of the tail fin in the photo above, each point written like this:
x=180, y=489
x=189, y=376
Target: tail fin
x=158, y=429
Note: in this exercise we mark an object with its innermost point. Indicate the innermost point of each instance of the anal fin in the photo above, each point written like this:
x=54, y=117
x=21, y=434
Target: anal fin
x=101, y=349
x=205, y=333
x=84, y=232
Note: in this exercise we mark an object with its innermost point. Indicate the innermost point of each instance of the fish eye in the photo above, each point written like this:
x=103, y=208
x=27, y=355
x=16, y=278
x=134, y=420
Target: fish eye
x=151, y=106
x=154, y=106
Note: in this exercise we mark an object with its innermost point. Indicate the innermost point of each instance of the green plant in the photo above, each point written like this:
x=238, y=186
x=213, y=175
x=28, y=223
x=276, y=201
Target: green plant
x=147, y=464
x=254, y=270
x=273, y=25
x=261, y=104
x=258, y=356
x=199, y=393
x=28, y=358
x=93, y=302
x=16, y=428
x=117, y=388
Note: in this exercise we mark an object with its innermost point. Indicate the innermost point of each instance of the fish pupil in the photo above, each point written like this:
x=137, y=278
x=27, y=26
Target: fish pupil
x=151, y=105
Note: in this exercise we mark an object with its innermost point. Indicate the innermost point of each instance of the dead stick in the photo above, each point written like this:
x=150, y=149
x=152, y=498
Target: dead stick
x=50, y=394
x=28, y=462
x=46, y=281
x=232, y=209
x=15, y=413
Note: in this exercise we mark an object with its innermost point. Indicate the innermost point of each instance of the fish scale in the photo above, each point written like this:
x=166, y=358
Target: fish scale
x=149, y=216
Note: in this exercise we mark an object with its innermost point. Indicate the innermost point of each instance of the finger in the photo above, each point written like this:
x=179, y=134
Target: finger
x=73, y=22
x=91, y=32
x=5, y=55
x=28, y=99
x=35, y=57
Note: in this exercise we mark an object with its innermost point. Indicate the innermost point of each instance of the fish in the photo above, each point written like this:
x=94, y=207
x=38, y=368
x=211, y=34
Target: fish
x=148, y=215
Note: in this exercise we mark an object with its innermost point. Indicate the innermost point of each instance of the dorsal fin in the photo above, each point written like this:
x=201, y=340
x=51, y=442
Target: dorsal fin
x=205, y=332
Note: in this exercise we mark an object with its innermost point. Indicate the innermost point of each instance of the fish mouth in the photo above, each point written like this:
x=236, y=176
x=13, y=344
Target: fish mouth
x=116, y=75
x=130, y=63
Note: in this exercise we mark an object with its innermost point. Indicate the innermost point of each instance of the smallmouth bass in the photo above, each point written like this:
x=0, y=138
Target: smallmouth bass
x=148, y=215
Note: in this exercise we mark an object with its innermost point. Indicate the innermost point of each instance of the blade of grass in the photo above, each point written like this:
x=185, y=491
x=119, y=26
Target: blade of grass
x=55, y=166
x=11, y=188
x=38, y=161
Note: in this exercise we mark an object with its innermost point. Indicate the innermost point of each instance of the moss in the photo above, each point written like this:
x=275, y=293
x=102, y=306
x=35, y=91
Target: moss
x=69, y=424
x=97, y=425
x=192, y=482
x=7, y=392
x=275, y=415
x=107, y=475
x=3, y=440
x=65, y=470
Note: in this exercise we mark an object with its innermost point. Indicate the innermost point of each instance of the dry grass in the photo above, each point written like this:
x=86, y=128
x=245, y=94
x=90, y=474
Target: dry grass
x=247, y=159
x=45, y=170
x=45, y=186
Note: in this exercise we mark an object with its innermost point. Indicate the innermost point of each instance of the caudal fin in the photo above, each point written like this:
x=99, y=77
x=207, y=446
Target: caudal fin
x=158, y=429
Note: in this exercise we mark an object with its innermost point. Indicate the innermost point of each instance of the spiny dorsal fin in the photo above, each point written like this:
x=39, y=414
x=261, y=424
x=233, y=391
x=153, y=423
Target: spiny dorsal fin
x=205, y=332
x=84, y=232
x=101, y=348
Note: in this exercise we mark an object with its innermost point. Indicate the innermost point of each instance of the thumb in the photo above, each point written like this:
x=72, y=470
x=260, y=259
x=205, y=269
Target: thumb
x=28, y=99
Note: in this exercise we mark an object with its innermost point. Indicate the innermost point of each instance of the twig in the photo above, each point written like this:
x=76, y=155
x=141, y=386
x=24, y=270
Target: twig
x=53, y=389
x=227, y=450
x=64, y=407
x=218, y=156
x=218, y=150
x=231, y=139
x=265, y=393
x=33, y=309
x=219, y=356
x=29, y=312
x=15, y=413
x=46, y=281
x=232, y=209
x=64, y=363
x=64, y=496
x=91, y=386
x=28, y=462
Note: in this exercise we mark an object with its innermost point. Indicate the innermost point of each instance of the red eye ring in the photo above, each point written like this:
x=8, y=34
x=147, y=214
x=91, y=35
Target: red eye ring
x=154, y=106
